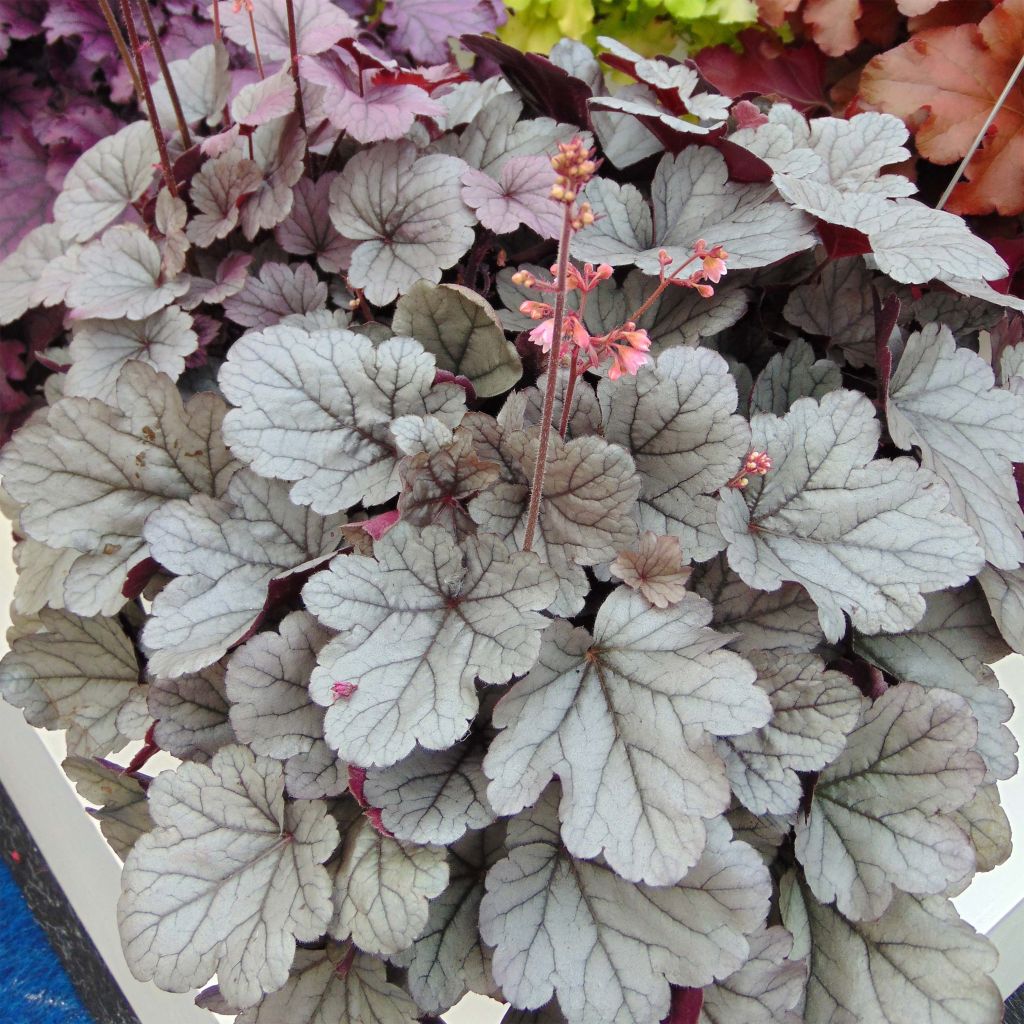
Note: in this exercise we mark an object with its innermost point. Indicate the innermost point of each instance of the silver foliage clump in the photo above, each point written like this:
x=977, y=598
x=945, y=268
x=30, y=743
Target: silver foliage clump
x=736, y=734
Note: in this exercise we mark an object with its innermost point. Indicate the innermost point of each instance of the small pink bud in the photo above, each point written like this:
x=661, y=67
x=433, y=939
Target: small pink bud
x=342, y=691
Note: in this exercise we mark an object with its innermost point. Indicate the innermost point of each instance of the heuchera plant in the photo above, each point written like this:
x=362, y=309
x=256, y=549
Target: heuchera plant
x=637, y=668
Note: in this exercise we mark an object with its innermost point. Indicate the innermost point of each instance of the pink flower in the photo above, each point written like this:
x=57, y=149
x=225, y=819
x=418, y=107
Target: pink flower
x=628, y=357
x=536, y=310
x=573, y=332
x=713, y=260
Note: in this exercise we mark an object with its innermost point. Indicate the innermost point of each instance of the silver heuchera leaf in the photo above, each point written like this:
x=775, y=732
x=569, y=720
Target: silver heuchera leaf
x=224, y=555
x=421, y=622
x=556, y=921
x=984, y=822
x=308, y=231
x=813, y=710
x=791, y=375
x=677, y=419
x=590, y=492
x=100, y=349
x=123, y=812
x=625, y=719
x=217, y=191
x=278, y=148
x=785, y=619
x=316, y=408
x=407, y=212
x=951, y=648
x=74, y=674
x=764, y=990
x=521, y=195
x=268, y=685
x=382, y=888
x=105, y=180
x=319, y=24
x=332, y=986
x=943, y=400
x=22, y=281
x=449, y=957
x=918, y=961
x=864, y=536
x=433, y=796
x=1004, y=590
x=838, y=306
x=203, y=85
x=191, y=713
x=692, y=198
x=276, y=292
x=497, y=135
x=462, y=332
x=876, y=822
x=228, y=880
x=121, y=275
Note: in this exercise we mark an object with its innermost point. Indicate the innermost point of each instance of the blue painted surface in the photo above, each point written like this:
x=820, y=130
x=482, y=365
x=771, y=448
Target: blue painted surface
x=34, y=989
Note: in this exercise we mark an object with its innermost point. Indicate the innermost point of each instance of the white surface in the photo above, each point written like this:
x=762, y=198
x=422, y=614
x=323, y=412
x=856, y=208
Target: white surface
x=89, y=872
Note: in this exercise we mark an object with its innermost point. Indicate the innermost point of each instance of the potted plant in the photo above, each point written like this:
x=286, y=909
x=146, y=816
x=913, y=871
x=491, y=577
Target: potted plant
x=562, y=529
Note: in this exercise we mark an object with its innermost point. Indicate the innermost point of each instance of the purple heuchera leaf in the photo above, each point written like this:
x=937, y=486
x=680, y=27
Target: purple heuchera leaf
x=308, y=231
x=522, y=195
x=81, y=18
x=362, y=102
x=26, y=197
x=319, y=24
x=278, y=291
x=423, y=27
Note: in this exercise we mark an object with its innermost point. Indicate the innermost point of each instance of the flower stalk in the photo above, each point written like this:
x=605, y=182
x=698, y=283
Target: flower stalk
x=537, y=485
x=165, y=72
x=147, y=95
x=122, y=47
x=293, y=47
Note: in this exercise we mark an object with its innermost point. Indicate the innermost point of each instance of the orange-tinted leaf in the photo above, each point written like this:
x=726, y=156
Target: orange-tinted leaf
x=833, y=24
x=955, y=76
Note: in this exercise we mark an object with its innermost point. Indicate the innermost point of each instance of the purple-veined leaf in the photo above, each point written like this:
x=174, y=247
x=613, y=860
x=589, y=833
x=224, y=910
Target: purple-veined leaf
x=423, y=27
x=553, y=919
x=520, y=195
x=228, y=879
x=268, y=686
x=121, y=275
x=100, y=349
x=191, y=713
x=462, y=332
x=104, y=181
x=943, y=400
x=203, y=84
x=76, y=457
x=74, y=674
x=277, y=291
x=408, y=215
x=319, y=24
x=477, y=600
x=865, y=537
x=308, y=231
x=677, y=419
x=315, y=407
x=877, y=819
x=217, y=192
x=918, y=961
x=793, y=374
x=262, y=101
x=123, y=813
x=625, y=719
x=224, y=554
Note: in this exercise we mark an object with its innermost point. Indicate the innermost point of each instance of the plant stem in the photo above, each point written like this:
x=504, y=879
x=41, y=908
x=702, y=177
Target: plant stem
x=165, y=71
x=537, y=486
x=662, y=285
x=217, y=34
x=122, y=47
x=293, y=46
x=256, y=44
x=570, y=391
x=147, y=95
x=574, y=374
x=997, y=106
